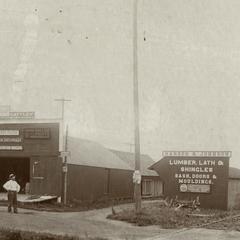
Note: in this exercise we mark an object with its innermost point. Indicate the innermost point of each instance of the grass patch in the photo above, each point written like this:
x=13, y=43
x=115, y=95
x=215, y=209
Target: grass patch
x=157, y=214
x=8, y=234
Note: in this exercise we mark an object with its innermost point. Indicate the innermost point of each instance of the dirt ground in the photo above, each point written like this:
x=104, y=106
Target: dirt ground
x=89, y=223
x=198, y=234
x=94, y=224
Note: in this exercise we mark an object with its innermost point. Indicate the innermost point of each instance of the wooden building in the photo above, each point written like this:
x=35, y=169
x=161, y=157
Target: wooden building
x=30, y=149
x=95, y=173
x=152, y=185
x=234, y=188
x=192, y=174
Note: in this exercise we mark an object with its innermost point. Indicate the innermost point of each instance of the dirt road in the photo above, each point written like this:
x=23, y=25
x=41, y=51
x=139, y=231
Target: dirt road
x=94, y=224
x=197, y=234
x=90, y=223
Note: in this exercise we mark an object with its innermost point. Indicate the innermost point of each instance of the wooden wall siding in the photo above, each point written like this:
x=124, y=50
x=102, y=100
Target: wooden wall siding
x=152, y=186
x=158, y=188
x=121, y=184
x=42, y=150
x=217, y=198
x=86, y=183
x=94, y=183
x=234, y=193
x=46, y=173
x=147, y=187
x=35, y=146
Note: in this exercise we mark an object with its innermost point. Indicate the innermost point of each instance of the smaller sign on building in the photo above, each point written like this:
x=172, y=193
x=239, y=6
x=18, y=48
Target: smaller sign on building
x=6, y=114
x=195, y=188
x=11, y=148
x=22, y=115
x=9, y=132
x=10, y=140
x=197, y=153
x=37, y=133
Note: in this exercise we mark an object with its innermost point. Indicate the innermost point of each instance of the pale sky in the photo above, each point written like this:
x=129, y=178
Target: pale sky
x=189, y=69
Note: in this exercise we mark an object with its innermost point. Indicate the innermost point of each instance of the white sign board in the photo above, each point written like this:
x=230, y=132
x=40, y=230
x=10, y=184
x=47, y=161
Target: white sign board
x=137, y=177
x=9, y=148
x=10, y=139
x=197, y=153
x=22, y=115
x=9, y=132
x=195, y=188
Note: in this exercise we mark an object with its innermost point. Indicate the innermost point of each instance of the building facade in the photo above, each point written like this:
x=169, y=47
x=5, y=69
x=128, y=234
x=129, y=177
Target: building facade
x=234, y=188
x=95, y=173
x=202, y=174
x=151, y=184
x=30, y=150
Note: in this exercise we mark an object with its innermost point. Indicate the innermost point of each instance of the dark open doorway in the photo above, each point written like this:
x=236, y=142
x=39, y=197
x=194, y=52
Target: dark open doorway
x=18, y=166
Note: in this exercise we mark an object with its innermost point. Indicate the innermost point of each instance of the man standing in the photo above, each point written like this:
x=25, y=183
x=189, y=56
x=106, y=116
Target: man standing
x=12, y=188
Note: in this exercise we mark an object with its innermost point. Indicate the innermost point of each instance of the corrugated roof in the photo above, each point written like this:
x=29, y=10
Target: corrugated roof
x=88, y=153
x=129, y=158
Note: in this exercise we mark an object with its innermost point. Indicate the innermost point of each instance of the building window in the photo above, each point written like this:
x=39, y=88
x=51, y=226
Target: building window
x=147, y=187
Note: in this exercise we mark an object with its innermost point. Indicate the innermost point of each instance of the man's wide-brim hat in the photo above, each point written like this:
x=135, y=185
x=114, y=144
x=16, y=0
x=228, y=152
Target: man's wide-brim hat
x=11, y=176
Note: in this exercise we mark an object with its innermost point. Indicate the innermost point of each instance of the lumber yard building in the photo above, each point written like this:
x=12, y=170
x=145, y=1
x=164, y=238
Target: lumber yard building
x=32, y=149
x=234, y=188
x=103, y=173
x=152, y=185
x=200, y=174
x=94, y=173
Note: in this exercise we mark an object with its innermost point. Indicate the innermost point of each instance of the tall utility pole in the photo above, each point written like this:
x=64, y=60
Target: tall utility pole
x=137, y=173
x=63, y=101
x=64, y=148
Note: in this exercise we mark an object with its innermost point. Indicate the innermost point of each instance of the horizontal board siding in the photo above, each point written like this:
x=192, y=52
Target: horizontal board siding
x=234, y=193
x=93, y=183
x=46, y=178
x=86, y=183
x=152, y=186
x=121, y=184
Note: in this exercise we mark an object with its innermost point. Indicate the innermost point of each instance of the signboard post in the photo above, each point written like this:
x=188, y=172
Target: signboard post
x=65, y=155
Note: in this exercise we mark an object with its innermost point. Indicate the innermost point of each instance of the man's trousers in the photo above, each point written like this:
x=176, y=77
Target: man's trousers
x=12, y=201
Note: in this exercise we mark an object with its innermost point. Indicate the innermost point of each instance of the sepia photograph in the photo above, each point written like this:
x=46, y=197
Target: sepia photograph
x=119, y=120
